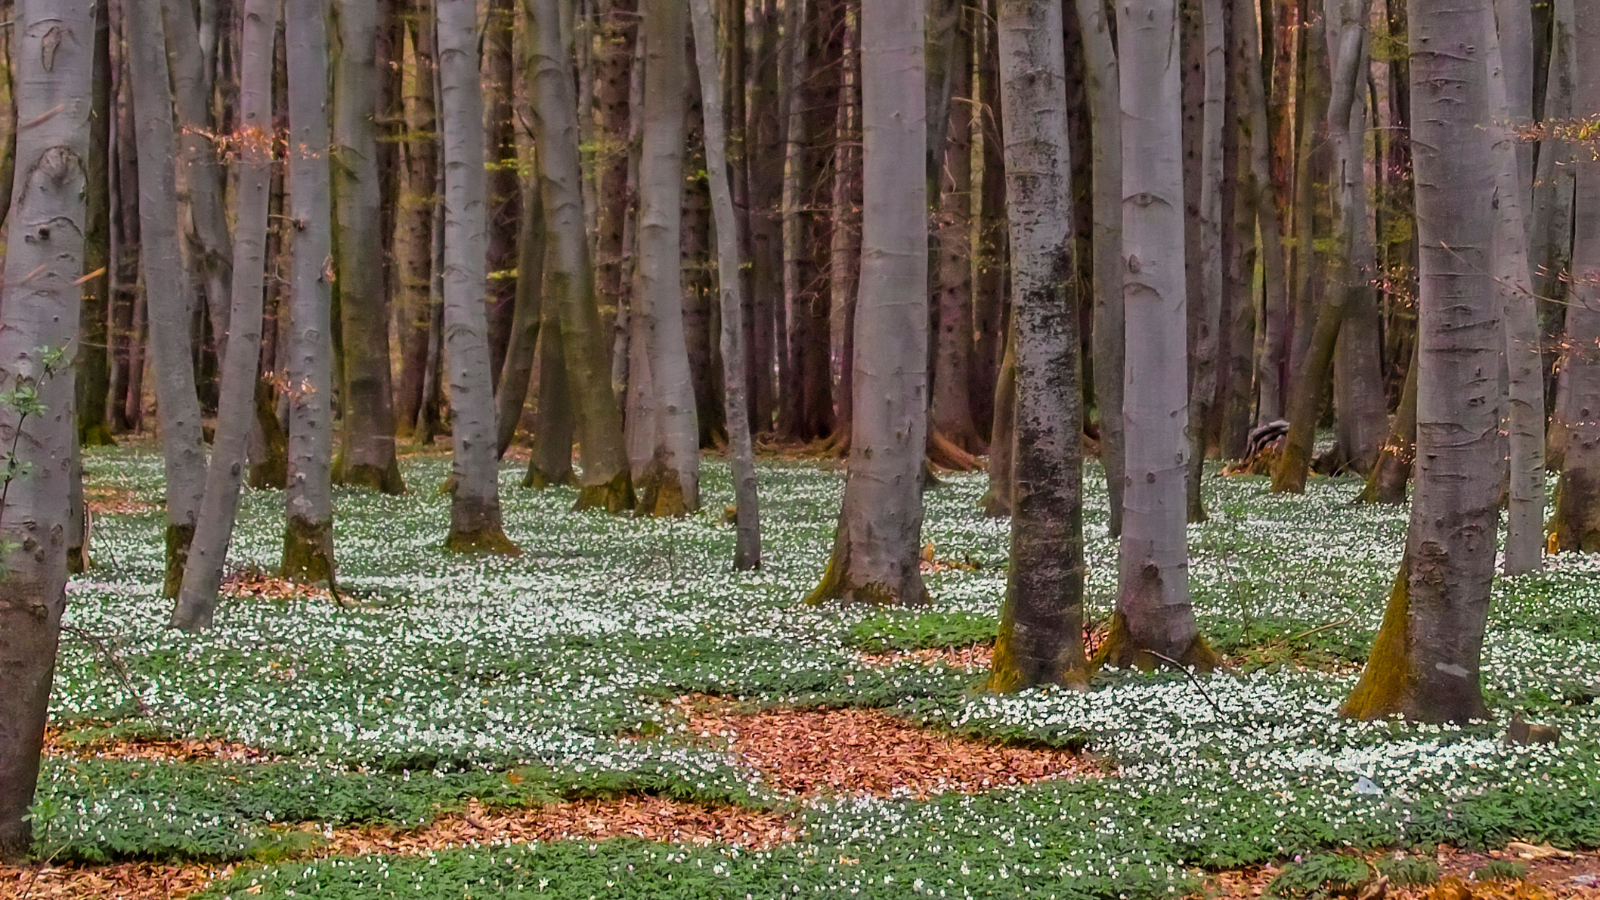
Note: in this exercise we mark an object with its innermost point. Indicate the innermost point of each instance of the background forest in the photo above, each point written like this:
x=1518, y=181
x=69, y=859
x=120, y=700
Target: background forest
x=443, y=412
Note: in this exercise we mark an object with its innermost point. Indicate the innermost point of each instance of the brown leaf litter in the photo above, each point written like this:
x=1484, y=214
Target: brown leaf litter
x=1557, y=875
x=832, y=751
x=254, y=583
x=150, y=748
x=105, y=500
x=123, y=881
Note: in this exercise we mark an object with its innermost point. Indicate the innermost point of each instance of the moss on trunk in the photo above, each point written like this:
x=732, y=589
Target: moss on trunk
x=1122, y=650
x=660, y=492
x=1575, y=526
x=538, y=479
x=308, y=552
x=383, y=480
x=178, y=538
x=837, y=584
x=1382, y=689
x=614, y=496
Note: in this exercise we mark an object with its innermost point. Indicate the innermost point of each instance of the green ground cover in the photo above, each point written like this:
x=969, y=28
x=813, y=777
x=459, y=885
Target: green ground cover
x=444, y=674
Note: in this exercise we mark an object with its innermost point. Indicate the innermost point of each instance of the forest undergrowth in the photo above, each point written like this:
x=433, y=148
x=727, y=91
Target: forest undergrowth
x=435, y=682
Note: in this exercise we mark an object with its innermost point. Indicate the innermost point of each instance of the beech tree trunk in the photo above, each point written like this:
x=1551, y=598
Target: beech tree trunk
x=1153, y=609
x=876, y=546
x=366, y=449
x=1207, y=318
x=475, y=471
x=1577, y=511
x=202, y=578
x=94, y=370
x=167, y=297
x=568, y=276
x=747, y=549
x=1425, y=659
x=44, y=260
x=952, y=406
x=308, y=535
x=1041, y=621
x=511, y=392
x=415, y=243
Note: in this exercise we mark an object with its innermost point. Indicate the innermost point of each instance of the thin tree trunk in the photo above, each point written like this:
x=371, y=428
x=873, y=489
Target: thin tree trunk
x=366, y=448
x=167, y=298
x=765, y=166
x=511, y=393
x=503, y=185
x=1576, y=522
x=1425, y=659
x=996, y=501
x=614, y=74
x=550, y=463
x=44, y=260
x=606, y=482
x=1153, y=608
x=989, y=280
x=1041, y=621
x=952, y=407
x=1524, y=405
x=1207, y=318
x=308, y=534
x=475, y=478
x=1235, y=390
x=93, y=358
x=202, y=578
x=747, y=515
x=415, y=265
x=876, y=546
x=1275, y=286
x=1386, y=483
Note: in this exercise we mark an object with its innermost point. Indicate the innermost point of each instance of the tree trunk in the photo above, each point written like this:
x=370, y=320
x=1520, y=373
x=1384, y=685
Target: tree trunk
x=747, y=516
x=1550, y=226
x=475, y=477
x=568, y=276
x=989, y=280
x=1523, y=412
x=614, y=73
x=1274, y=331
x=167, y=299
x=952, y=406
x=876, y=546
x=1153, y=609
x=415, y=251
x=202, y=578
x=1424, y=662
x=1235, y=390
x=94, y=370
x=1576, y=522
x=511, y=394
x=765, y=167
x=308, y=535
x=1386, y=483
x=1041, y=621
x=503, y=185
x=44, y=260
x=996, y=501
x=1207, y=319
x=366, y=449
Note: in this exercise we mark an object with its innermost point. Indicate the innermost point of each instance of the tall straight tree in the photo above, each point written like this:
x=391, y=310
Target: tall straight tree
x=366, y=448
x=308, y=534
x=875, y=549
x=1153, y=610
x=747, y=512
x=1424, y=662
x=475, y=478
x=661, y=391
x=236, y=409
x=166, y=290
x=1041, y=622
x=1205, y=311
x=568, y=275
x=44, y=259
x=1577, y=512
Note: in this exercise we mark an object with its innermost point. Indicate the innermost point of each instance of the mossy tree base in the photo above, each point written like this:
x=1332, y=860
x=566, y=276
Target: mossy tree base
x=537, y=479
x=614, y=496
x=1575, y=524
x=1382, y=689
x=379, y=479
x=178, y=538
x=487, y=540
x=1291, y=469
x=95, y=434
x=1386, y=483
x=308, y=552
x=660, y=493
x=838, y=581
x=1010, y=671
x=1121, y=649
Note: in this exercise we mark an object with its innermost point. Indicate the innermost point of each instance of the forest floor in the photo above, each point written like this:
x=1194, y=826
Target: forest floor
x=617, y=714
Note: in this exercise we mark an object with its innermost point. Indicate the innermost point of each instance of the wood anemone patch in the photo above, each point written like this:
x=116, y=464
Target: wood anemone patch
x=850, y=751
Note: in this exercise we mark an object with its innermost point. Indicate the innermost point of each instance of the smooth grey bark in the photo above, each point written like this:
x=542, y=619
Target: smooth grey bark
x=201, y=177
x=1524, y=406
x=1513, y=29
x=202, y=578
x=568, y=275
x=516, y=373
x=1425, y=659
x=668, y=482
x=876, y=546
x=1550, y=218
x=1105, y=110
x=166, y=291
x=952, y=378
x=1153, y=608
x=366, y=448
x=475, y=471
x=308, y=532
x=44, y=260
x=1577, y=510
x=1358, y=377
x=1208, y=318
x=1041, y=621
x=1273, y=333
x=747, y=510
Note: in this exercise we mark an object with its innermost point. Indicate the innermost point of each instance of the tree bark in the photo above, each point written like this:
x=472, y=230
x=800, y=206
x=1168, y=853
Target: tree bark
x=1153, y=608
x=876, y=546
x=366, y=449
x=764, y=165
x=747, y=512
x=511, y=393
x=415, y=250
x=44, y=260
x=614, y=73
x=996, y=501
x=1425, y=660
x=308, y=534
x=503, y=185
x=94, y=370
x=1041, y=621
x=1576, y=522
x=202, y=578
x=1207, y=319
x=1387, y=481
x=606, y=482
x=167, y=298
x=952, y=379
x=475, y=477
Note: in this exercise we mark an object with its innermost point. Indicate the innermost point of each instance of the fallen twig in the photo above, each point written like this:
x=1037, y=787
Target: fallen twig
x=111, y=657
